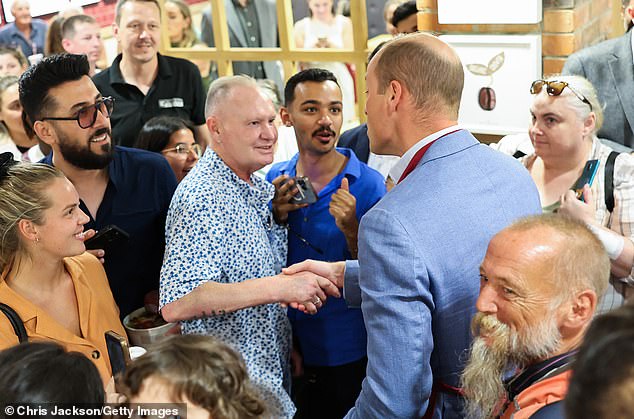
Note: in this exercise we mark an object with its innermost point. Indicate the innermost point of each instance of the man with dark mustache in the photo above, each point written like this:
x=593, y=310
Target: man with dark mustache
x=332, y=342
x=126, y=187
x=540, y=282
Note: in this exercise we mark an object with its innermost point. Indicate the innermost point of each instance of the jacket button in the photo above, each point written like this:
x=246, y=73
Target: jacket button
x=95, y=354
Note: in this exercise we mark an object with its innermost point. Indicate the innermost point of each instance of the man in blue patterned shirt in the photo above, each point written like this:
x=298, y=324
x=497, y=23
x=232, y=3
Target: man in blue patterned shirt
x=224, y=252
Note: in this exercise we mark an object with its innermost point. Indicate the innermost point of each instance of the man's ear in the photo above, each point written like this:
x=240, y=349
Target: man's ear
x=214, y=126
x=66, y=44
x=394, y=95
x=115, y=31
x=582, y=309
x=45, y=132
x=629, y=11
x=286, y=117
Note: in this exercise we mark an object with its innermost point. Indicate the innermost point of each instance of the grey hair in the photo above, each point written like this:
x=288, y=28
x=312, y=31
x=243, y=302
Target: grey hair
x=220, y=89
x=584, y=88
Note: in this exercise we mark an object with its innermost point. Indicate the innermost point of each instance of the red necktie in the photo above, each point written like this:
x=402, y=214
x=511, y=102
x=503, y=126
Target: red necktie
x=418, y=156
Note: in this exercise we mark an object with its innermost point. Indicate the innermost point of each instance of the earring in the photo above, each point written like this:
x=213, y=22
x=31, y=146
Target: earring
x=37, y=239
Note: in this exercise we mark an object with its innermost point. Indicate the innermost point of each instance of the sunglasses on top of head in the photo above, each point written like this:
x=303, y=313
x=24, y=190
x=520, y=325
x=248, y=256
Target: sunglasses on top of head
x=555, y=88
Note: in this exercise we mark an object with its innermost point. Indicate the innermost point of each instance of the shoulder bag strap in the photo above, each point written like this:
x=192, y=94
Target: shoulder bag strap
x=609, y=181
x=16, y=322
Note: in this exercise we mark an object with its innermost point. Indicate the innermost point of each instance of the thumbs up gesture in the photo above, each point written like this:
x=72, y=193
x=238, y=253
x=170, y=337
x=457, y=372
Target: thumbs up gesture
x=343, y=207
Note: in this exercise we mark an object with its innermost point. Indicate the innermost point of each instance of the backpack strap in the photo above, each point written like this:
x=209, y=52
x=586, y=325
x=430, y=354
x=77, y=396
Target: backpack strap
x=609, y=181
x=16, y=322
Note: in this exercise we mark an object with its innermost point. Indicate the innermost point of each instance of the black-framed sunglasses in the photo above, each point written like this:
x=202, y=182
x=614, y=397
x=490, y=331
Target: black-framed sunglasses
x=554, y=88
x=87, y=116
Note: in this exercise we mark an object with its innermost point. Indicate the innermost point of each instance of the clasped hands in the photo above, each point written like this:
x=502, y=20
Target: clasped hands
x=310, y=284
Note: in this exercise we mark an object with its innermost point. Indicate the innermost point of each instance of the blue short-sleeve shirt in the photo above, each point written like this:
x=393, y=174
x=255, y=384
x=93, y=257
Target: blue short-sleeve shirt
x=336, y=334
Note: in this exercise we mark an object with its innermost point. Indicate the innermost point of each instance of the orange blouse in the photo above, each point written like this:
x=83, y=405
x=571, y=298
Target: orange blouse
x=98, y=313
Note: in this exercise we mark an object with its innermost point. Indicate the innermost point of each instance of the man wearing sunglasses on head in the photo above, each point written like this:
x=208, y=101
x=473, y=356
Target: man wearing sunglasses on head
x=125, y=187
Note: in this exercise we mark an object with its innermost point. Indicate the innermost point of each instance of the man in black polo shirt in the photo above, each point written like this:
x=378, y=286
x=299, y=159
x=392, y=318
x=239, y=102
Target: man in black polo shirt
x=126, y=187
x=143, y=82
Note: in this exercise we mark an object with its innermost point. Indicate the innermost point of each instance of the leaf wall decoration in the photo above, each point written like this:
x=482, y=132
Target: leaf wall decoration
x=496, y=62
x=479, y=69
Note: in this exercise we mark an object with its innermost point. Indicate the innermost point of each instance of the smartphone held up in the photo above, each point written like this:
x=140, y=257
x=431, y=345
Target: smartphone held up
x=587, y=177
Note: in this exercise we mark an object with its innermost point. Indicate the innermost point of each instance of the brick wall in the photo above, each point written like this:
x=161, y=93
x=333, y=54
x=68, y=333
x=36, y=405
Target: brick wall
x=567, y=26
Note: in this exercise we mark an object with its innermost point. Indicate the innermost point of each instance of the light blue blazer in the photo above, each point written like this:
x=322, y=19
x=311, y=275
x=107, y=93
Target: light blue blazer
x=420, y=249
x=609, y=67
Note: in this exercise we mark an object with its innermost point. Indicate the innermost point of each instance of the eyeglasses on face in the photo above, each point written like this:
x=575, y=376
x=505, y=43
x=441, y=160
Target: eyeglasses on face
x=554, y=88
x=184, y=149
x=87, y=116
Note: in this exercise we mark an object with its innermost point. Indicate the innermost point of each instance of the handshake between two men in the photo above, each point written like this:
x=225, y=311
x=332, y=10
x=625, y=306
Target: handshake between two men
x=326, y=278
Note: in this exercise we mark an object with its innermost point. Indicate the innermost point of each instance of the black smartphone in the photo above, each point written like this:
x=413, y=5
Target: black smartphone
x=587, y=176
x=106, y=238
x=118, y=352
x=305, y=191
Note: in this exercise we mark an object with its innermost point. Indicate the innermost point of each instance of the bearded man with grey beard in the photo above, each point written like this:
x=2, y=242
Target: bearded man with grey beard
x=540, y=282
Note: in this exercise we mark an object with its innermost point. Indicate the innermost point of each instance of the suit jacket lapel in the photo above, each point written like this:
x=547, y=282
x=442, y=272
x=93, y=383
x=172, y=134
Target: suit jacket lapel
x=235, y=28
x=266, y=19
x=622, y=68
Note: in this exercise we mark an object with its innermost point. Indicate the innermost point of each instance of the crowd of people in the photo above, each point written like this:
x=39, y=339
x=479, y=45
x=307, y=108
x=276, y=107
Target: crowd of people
x=400, y=269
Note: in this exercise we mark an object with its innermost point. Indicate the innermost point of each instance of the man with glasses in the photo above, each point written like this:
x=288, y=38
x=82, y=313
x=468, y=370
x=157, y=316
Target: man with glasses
x=125, y=187
x=332, y=342
x=144, y=82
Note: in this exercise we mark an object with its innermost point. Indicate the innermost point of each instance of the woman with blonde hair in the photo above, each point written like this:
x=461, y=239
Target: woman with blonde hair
x=182, y=35
x=565, y=116
x=58, y=290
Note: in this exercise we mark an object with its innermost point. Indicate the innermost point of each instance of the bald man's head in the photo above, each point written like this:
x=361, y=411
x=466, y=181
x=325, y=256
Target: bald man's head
x=427, y=67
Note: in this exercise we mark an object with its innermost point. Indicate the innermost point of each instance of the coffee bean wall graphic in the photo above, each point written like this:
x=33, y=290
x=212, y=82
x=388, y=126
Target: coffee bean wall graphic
x=486, y=95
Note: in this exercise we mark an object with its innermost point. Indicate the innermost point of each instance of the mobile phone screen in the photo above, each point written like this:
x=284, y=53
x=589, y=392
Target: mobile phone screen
x=117, y=348
x=587, y=177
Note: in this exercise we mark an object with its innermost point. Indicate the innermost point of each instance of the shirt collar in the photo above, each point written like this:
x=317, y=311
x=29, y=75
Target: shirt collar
x=34, y=318
x=258, y=191
x=399, y=168
x=116, y=77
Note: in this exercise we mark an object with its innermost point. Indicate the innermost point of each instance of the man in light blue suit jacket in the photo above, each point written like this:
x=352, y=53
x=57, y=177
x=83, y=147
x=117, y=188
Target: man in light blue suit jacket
x=420, y=247
x=610, y=68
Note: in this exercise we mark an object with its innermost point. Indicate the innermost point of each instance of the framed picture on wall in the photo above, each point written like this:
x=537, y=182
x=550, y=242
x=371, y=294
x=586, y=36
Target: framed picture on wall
x=489, y=11
x=499, y=70
x=41, y=7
